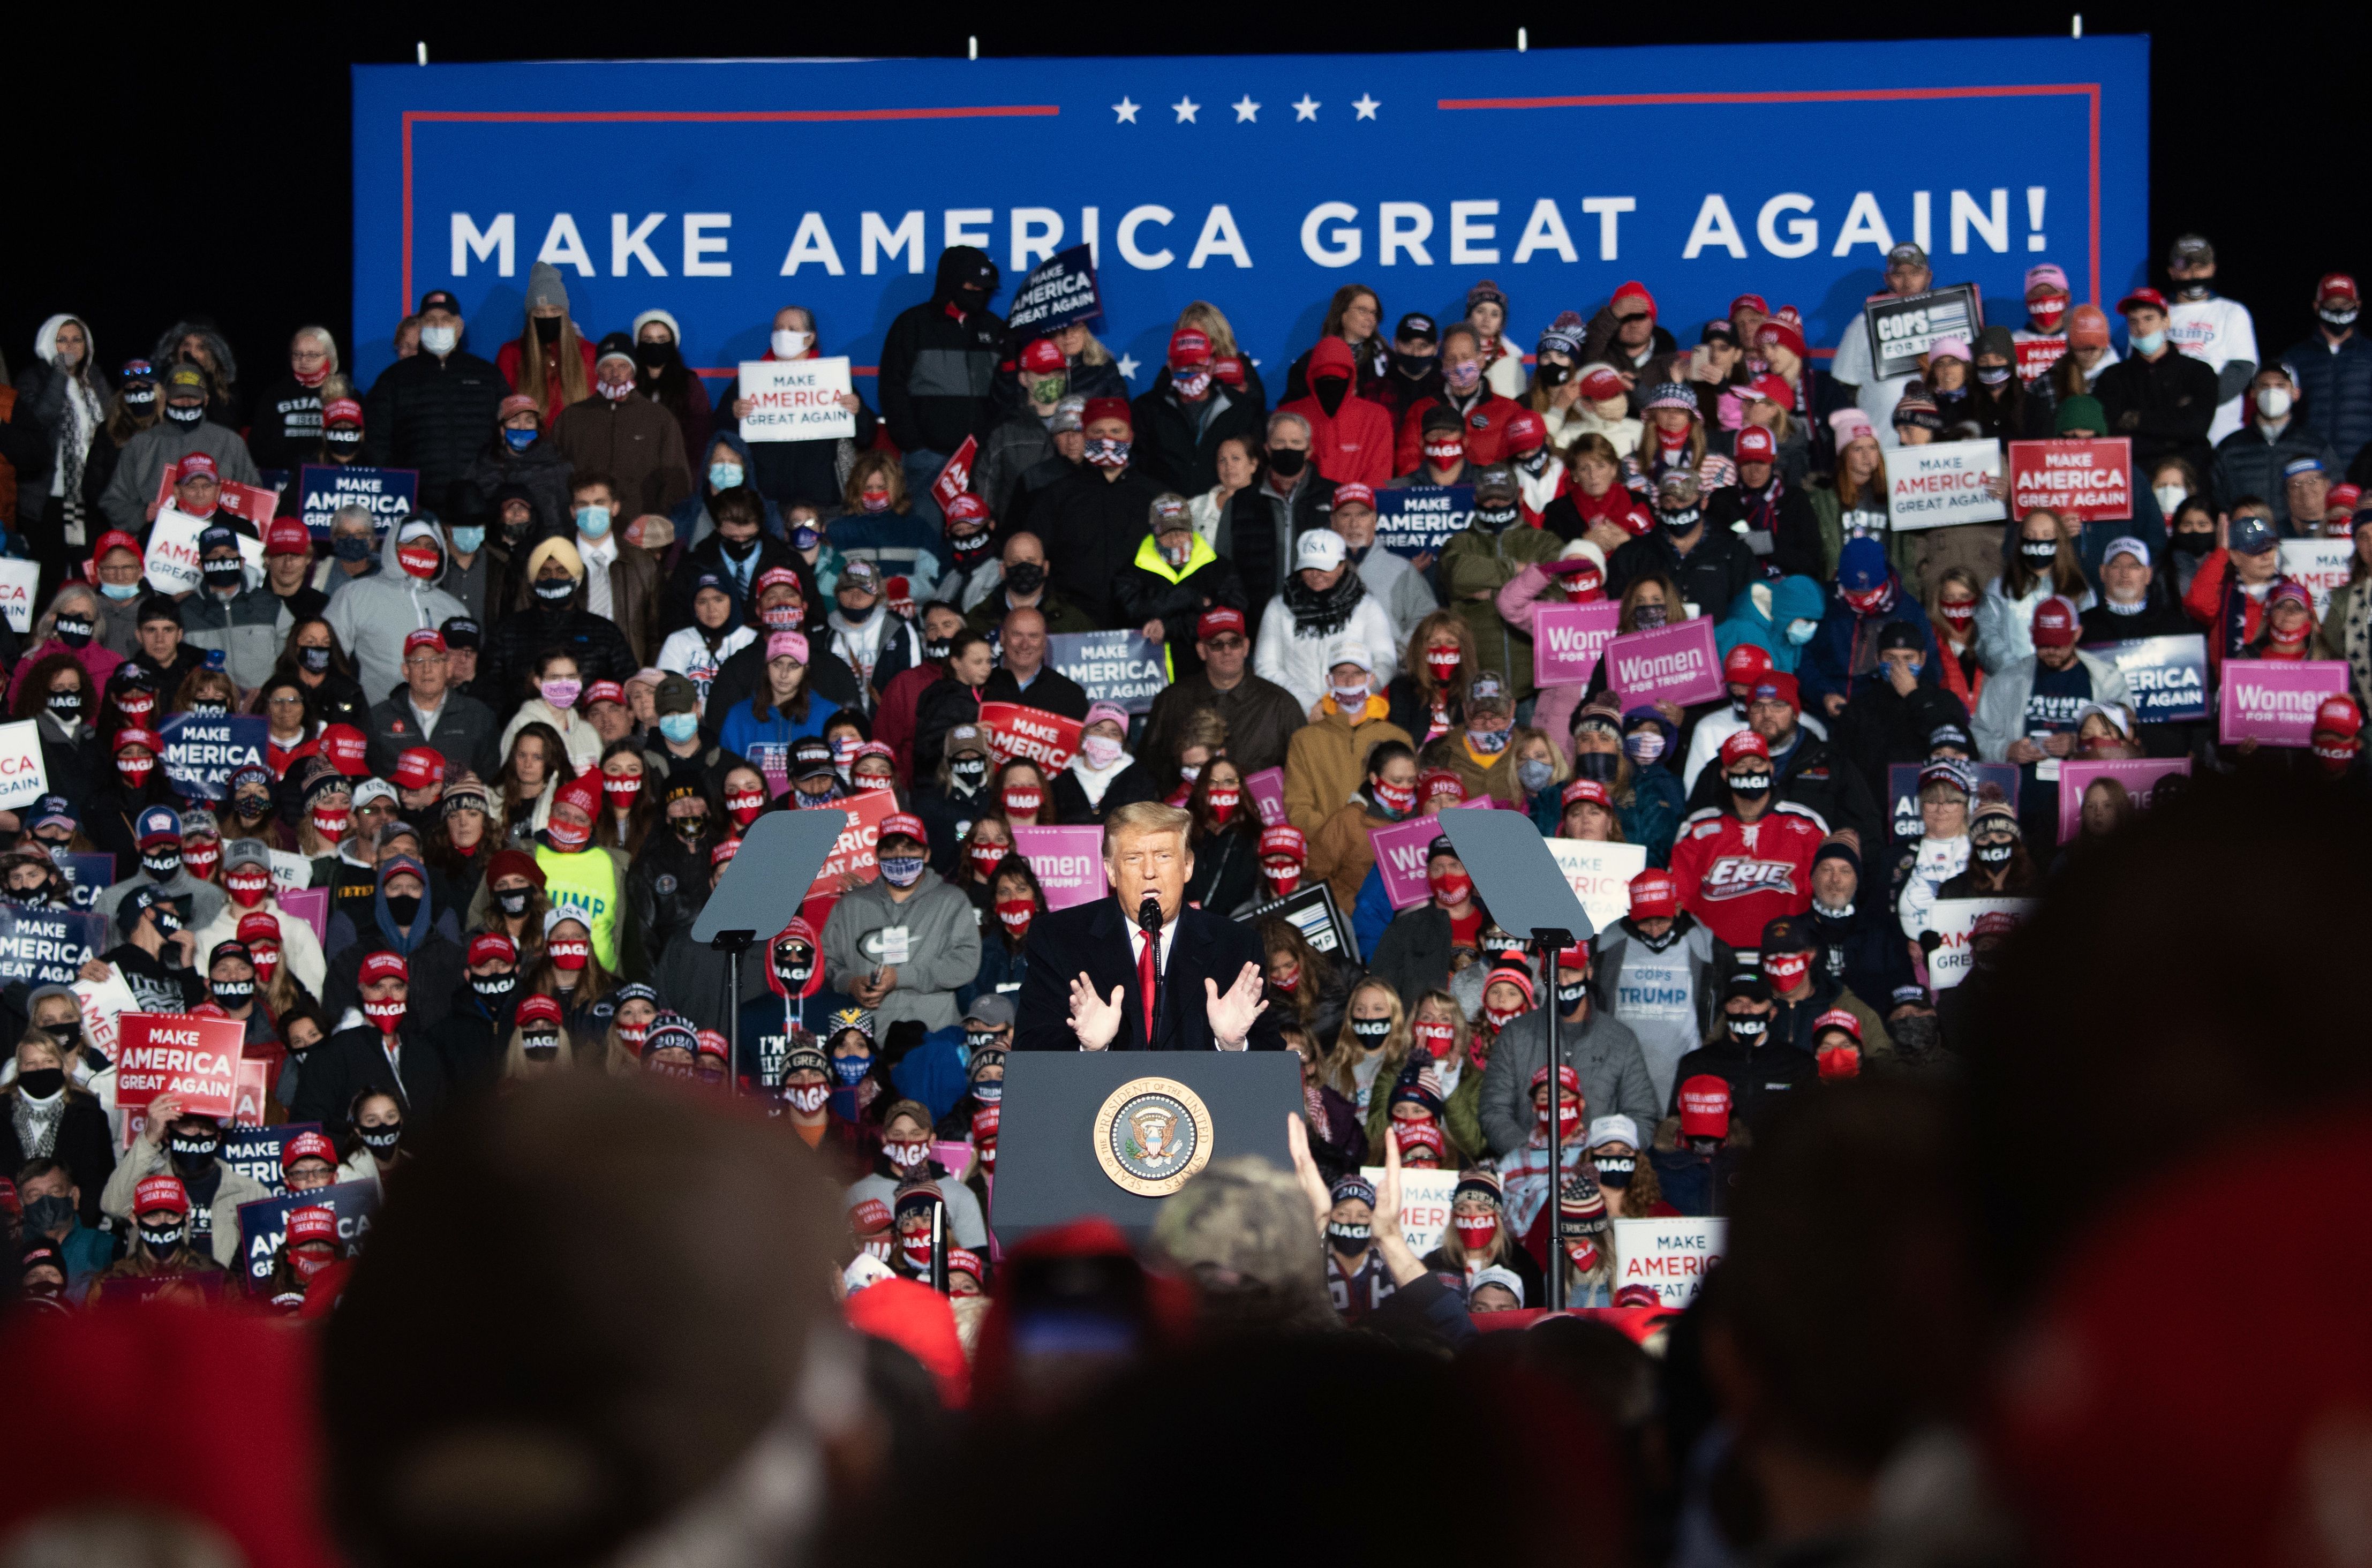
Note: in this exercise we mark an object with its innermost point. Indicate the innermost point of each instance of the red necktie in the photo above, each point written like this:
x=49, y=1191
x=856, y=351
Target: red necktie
x=1145, y=979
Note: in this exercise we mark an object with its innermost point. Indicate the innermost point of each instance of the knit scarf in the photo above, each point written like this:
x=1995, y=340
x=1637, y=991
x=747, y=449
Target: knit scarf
x=81, y=422
x=1319, y=615
x=37, y=1124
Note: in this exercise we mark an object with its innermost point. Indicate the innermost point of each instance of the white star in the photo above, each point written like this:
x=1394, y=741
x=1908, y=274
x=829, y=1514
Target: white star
x=1128, y=367
x=1126, y=111
x=1245, y=109
x=1366, y=106
x=1185, y=108
x=1307, y=109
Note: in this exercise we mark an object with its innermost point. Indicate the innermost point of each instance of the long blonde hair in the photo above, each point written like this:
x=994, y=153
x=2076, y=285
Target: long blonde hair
x=1208, y=317
x=573, y=386
x=1340, y=1058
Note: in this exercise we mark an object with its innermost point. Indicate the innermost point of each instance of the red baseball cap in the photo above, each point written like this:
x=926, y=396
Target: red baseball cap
x=1778, y=687
x=1525, y=432
x=1107, y=408
x=1655, y=893
x=1837, y=1019
x=342, y=411
x=1775, y=388
x=605, y=692
x=487, y=946
x=2055, y=625
x=1753, y=301
x=419, y=767
x=2338, y=715
x=424, y=637
x=1704, y=1107
x=1213, y=622
x=1285, y=841
x=194, y=464
x=260, y=927
x=2141, y=297
x=346, y=748
x=1188, y=346
x=966, y=507
x=1778, y=332
x=383, y=965
x=159, y=1193
x=1745, y=743
x=1602, y=384
x=538, y=1008
x=1746, y=664
x=2342, y=498
x=287, y=536
x=1041, y=358
x=314, y=1224
x=904, y=824
x=308, y=1145
x=1757, y=445
x=726, y=850
x=1351, y=492
x=1590, y=790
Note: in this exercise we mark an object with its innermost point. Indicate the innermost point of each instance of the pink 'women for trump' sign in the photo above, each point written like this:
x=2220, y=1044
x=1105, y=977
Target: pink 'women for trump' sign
x=2272, y=701
x=1675, y=664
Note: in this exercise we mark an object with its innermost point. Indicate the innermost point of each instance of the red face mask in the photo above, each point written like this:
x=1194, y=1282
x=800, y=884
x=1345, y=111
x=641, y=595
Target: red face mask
x=1283, y=876
x=2046, y=313
x=1584, y=1254
x=136, y=704
x=1451, y=887
x=987, y=858
x=387, y=1014
x=2336, y=756
x=569, y=955
x=1223, y=804
x=248, y=889
x=1443, y=662
x=1395, y=798
x=567, y=837
x=1869, y=601
x=201, y=859
x=1444, y=453
x=419, y=560
x=307, y=1263
x=1022, y=802
x=632, y=1035
x=1568, y=1119
x=267, y=961
x=331, y=824
x=135, y=771
x=1438, y=1038
x=1476, y=1232
x=876, y=782
x=622, y=790
x=1839, y=1061
x=1016, y=914
x=744, y=808
x=1786, y=970
x=1289, y=980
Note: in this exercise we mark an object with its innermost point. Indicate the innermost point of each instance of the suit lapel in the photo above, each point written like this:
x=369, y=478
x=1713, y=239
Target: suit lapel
x=1113, y=960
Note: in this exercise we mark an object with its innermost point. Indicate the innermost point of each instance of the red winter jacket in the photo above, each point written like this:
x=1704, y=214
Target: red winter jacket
x=1355, y=442
x=1486, y=431
x=1736, y=876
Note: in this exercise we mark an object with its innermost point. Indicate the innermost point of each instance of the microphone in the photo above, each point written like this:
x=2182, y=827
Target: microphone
x=1148, y=915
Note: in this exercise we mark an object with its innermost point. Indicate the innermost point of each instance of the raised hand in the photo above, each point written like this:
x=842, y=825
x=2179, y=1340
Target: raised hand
x=1232, y=1015
x=1094, y=1019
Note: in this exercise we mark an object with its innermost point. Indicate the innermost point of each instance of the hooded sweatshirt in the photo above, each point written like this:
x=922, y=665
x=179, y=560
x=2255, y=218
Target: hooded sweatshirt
x=691, y=517
x=941, y=938
x=1354, y=442
x=938, y=368
x=374, y=614
x=1762, y=614
x=148, y=454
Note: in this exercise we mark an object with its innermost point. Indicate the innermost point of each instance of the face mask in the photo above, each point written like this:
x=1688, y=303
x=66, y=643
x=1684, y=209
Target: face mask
x=469, y=541
x=1178, y=554
x=387, y=1014
x=1192, y=383
x=593, y=522
x=520, y=440
x=1371, y=1032
x=1100, y=751
x=1462, y=376
x=555, y=591
x=724, y=476
x=1350, y=699
x=201, y=858
x=1397, y=799
x=738, y=549
x=1288, y=981
x=421, y=560
x=350, y=547
x=1995, y=855
x=804, y=537
x=561, y=691
x=1106, y=453
x=52, y=1212
x=403, y=908
x=209, y=710
x=902, y=870
x=1753, y=786
x=119, y=591
x=331, y=821
x=233, y=993
x=1283, y=878
x=162, y=1242
x=794, y=965
x=904, y=1155
x=514, y=901
x=1569, y=995
x=850, y=1070
x=788, y=345
x=744, y=808
x=989, y=1093
x=1286, y=461
x=1351, y=1239
x=185, y=414
x=1189, y=772
x=1648, y=617
x=2037, y=553
x=1494, y=520
x=162, y=866
x=76, y=631
x=493, y=987
x=439, y=340
x=42, y=1082
x=381, y=1140
x=569, y=955
x=1992, y=375
x=679, y=727
x=1451, y=887
x=1747, y=1027
x=874, y=501
x=1489, y=742
x=1022, y=802
x=1446, y=453
x=1615, y=1171
x=2148, y=343
x=1681, y=521
x=2338, y=319
x=1025, y=576
x=342, y=442
x=1568, y=1120
x=938, y=648
x=2274, y=402
x=616, y=391
x=67, y=705
x=1642, y=745
x=806, y=1098
x=267, y=962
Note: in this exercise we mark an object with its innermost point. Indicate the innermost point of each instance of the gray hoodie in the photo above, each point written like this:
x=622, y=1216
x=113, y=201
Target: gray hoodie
x=942, y=939
x=372, y=615
x=1601, y=1051
x=149, y=453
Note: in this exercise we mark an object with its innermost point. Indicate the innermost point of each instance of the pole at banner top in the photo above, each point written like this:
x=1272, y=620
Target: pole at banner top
x=421, y=47
x=1523, y=40
x=974, y=42
x=2078, y=30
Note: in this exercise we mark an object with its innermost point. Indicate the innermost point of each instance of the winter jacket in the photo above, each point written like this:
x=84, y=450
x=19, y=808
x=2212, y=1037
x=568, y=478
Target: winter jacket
x=2164, y=405
x=1880, y=727
x=2001, y=712
x=636, y=442
x=249, y=628
x=598, y=647
x=542, y=471
x=1176, y=443
x=1843, y=652
x=1152, y=590
x=284, y=429
x=1709, y=576
x=511, y=360
x=2004, y=633
x=1599, y=1048
x=1518, y=603
x=231, y=1189
x=1326, y=763
x=1299, y=661
x=1090, y=526
x=2250, y=463
x=1258, y=528
x=666, y=887
x=141, y=467
x=1763, y=612
x=1356, y=441
x=1261, y=718
x=938, y=367
x=1761, y=1078
x=1666, y=997
x=1014, y=447
x=432, y=414
x=1815, y=775
x=900, y=543
x=41, y=394
x=1475, y=564
x=464, y=735
x=2335, y=382
x=1486, y=413
x=943, y=945
x=374, y=614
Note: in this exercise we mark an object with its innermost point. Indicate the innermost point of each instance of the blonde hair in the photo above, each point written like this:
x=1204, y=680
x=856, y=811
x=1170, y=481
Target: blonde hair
x=516, y=1065
x=1146, y=816
x=852, y=495
x=1201, y=313
x=1336, y=1069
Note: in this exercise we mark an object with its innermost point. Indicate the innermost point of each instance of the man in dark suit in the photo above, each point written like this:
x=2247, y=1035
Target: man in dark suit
x=382, y=1053
x=1088, y=977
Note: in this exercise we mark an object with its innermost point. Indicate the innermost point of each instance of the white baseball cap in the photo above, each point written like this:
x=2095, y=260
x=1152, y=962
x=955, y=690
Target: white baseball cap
x=1351, y=653
x=1320, y=549
x=1605, y=1130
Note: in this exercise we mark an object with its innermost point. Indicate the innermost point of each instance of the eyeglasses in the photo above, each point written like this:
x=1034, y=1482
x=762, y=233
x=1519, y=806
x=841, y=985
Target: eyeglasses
x=1228, y=644
x=424, y=659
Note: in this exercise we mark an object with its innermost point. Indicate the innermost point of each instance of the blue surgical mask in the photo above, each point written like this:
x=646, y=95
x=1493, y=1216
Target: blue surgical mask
x=520, y=440
x=2148, y=343
x=351, y=547
x=119, y=591
x=593, y=522
x=724, y=476
x=469, y=541
x=1534, y=774
x=679, y=727
x=1800, y=632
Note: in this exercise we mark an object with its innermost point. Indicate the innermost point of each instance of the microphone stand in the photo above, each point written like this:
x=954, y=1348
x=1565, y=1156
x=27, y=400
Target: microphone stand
x=1553, y=944
x=1148, y=921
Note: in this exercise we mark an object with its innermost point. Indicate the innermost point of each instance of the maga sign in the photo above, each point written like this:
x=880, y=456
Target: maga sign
x=796, y=400
x=2168, y=676
x=1048, y=740
x=853, y=853
x=1671, y=1256
x=1954, y=920
x=1059, y=291
x=2090, y=482
x=1600, y=875
x=24, y=773
x=1417, y=519
x=1944, y=483
x=1424, y=1204
x=201, y=754
x=193, y=1060
x=1121, y=667
x=390, y=495
x=41, y=946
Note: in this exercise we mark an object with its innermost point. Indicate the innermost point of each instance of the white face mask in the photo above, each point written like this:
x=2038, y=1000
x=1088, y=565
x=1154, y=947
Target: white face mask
x=2169, y=496
x=788, y=345
x=439, y=340
x=2274, y=402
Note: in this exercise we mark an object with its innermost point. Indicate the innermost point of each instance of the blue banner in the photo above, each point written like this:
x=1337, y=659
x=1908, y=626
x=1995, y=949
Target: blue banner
x=2168, y=676
x=41, y=947
x=1058, y=292
x=201, y=753
x=89, y=873
x=722, y=190
x=1121, y=667
x=389, y=493
x=254, y=1152
x=1417, y=519
x=263, y=1224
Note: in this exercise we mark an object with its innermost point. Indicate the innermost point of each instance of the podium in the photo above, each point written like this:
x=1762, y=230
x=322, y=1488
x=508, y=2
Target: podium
x=1112, y=1132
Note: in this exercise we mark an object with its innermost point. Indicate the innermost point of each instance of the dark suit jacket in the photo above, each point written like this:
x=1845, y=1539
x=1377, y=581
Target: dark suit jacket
x=1093, y=939
x=352, y=1060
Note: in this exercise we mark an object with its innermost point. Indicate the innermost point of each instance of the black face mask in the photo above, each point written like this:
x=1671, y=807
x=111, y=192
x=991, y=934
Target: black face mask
x=2191, y=543
x=1370, y=1031
x=1615, y=1172
x=1330, y=392
x=1753, y=786
x=162, y=867
x=251, y=808
x=2337, y=319
x=793, y=966
x=968, y=771
x=514, y=901
x=381, y=1140
x=75, y=632
x=403, y=908
x=740, y=549
x=67, y=705
x=1415, y=367
x=2038, y=553
x=42, y=1082
x=652, y=357
x=1916, y=1035
x=971, y=297
x=937, y=650
x=493, y=987
x=969, y=548
x=540, y=1047
x=195, y=1154
x=688, y=829
x=1748, y=1027
x=1025, y=576
x=1682, y=520
x=314, y=661
x=556, y=592
x=1995, y=855
x=222, y=573
x=1603, y=766
x=209, y=710
x=1495, y=519
x=185, y=414
x=547, y=328
x=343, y=443
x=1548, y=373
x=1286, y=461
x=1348, y=1240
x=233, y=993
x=162, y=1242
x=1569, y=996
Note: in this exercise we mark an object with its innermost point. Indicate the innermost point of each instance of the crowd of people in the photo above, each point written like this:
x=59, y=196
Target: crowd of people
x=515, y=735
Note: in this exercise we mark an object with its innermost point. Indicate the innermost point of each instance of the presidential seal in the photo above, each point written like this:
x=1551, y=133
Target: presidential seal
x=1153, y=1135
